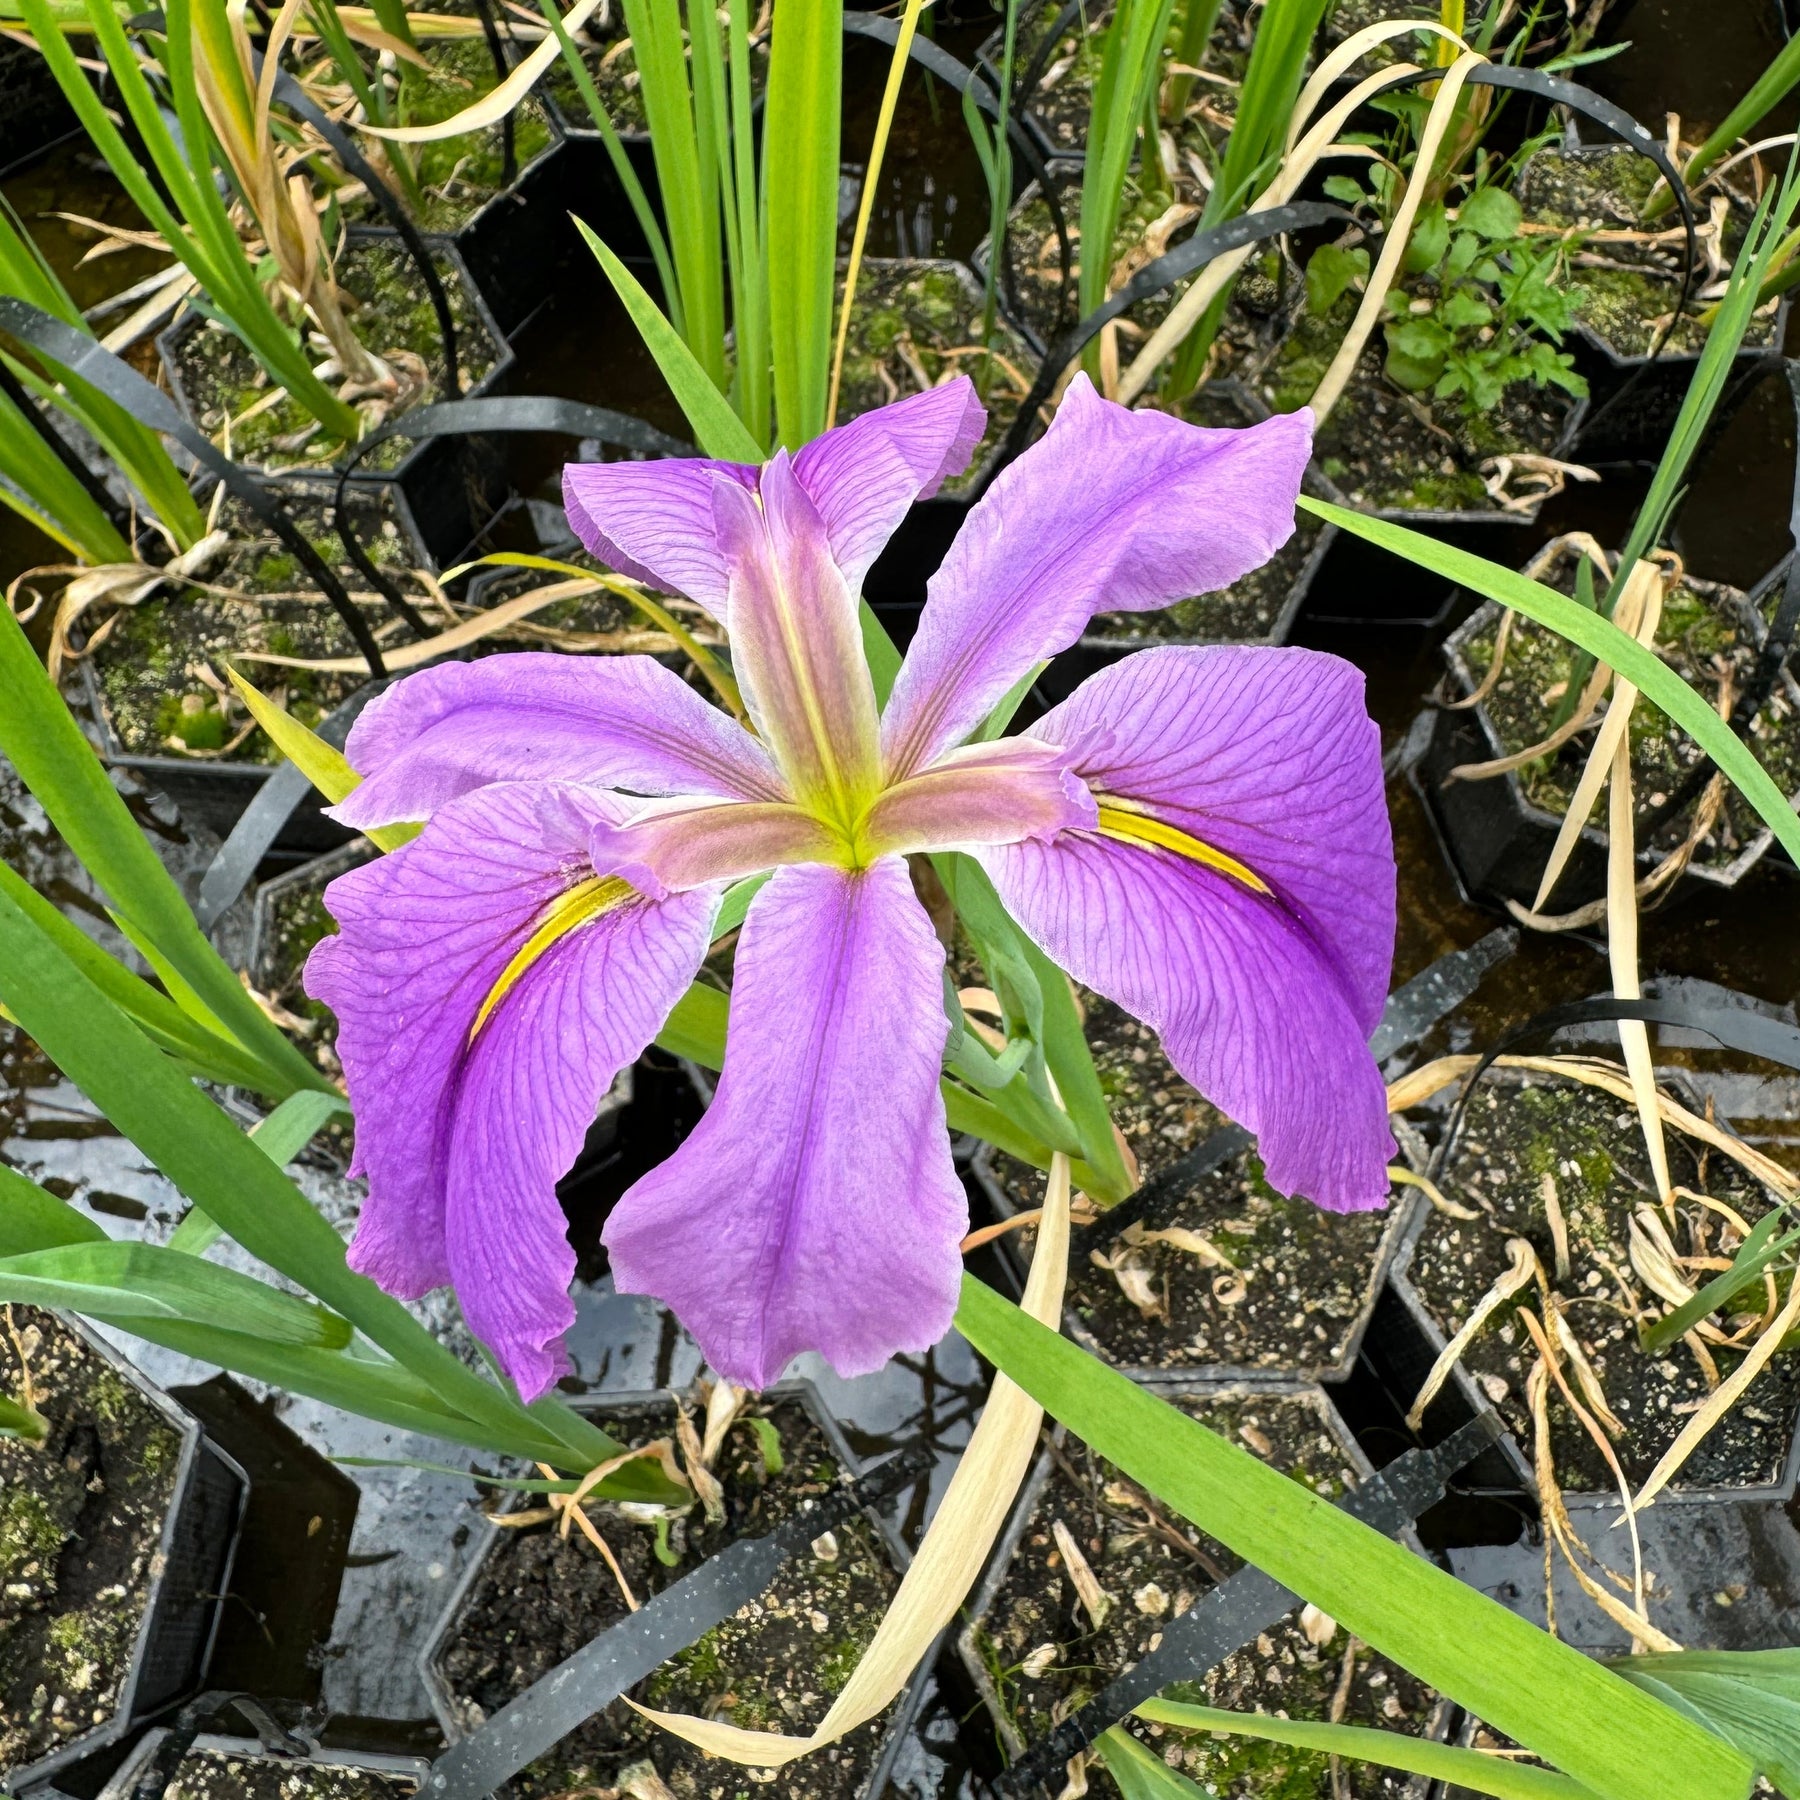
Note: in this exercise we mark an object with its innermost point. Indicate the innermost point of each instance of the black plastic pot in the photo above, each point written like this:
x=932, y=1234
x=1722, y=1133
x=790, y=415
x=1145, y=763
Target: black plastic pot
x=1413, y=1339
x=1058, y=128
x=516, y=247
x=214, y=794
x=1722, y=1576
x=1029, y=1527
x=1498, y=841
x=189, y=1579
x=346, y=1774
x=1634, y=396
x=452, y=1711
x=451, y=486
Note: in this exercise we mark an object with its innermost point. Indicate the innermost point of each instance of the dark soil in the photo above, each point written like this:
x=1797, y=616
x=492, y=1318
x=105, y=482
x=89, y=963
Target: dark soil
x=1064, y=95
x=1302, y=1280
x=1707, y=631
x=459, y=176
x=918, y=324
x=1386, y=448
x=612, y=66
x=390, y=310
x=148, y=666
x=213, y=1775
x=1265, y=294
x=1628, y=292
x=775, y=1665
x=1044, y=1657
x=1523, y=1133
x=81, y=1521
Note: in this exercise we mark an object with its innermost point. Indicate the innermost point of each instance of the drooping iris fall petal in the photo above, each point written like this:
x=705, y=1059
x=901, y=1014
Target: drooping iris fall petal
x=476, y=1065
x=815, y=1206
x=1112, y=510
x=1262, y=968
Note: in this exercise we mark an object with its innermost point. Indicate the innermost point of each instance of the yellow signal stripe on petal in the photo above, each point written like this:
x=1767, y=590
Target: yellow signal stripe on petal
x=1132, y=827
x=586, y=900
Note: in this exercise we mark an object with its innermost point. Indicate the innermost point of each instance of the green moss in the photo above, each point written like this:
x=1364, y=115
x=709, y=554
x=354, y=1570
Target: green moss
x=28, y=1530
x=914, y=320
x=460, y=175
x=279, y=570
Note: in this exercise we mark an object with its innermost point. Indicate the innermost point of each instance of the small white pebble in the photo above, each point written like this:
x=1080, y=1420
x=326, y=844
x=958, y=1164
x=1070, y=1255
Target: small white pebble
x=1319, y=1627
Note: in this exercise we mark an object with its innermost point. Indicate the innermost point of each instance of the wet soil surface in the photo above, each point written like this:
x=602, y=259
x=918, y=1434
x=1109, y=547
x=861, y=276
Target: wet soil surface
x=1044, y=1654
x=81, y=1520
x=159, y=665
x=918, y=324
x=1242, y=1277
x=1629, y=291
x=1710, y=636
x=390, y=310
x=1530, y=1143
x=213, y=1775
x=774, y=1666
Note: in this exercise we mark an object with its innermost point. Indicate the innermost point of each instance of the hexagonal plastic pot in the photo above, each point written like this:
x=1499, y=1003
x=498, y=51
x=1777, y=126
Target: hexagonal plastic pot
x=381, y=1777
x=628, y=1408
x=1635, y=396
x=188, y=1576
x=452, y=485
x=1498, y=841
x=1777, y=1442
x=996, y=1663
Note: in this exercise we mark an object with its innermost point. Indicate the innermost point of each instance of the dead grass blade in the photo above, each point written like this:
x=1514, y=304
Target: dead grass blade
x=1402, y=1176
x=1081, y=1575
x=500, y=99
x=1523, y=1270
x=1639, y=611
x=1718, y=1404
x=968, y=1521
x=471, y=631
x=1219, y=273
x=1393, y=245
x=1561, y=1529
x=1622, y=953
x=1420, y=1084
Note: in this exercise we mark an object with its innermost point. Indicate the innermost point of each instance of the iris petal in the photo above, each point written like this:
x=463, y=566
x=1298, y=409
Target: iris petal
x=815, y=1206
x=464, y=1133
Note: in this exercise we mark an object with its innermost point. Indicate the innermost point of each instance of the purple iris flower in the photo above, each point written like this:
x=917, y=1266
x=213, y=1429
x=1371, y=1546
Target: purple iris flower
x=1198, y=834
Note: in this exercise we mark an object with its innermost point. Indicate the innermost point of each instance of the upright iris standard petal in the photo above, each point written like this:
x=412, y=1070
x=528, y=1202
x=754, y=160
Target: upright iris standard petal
x=654, y=521
x=488, y=984
x=815, y=1207
x=796, y=645
x=864, y=475
x=1238, y=894
x=619, y=721
x=1116, y=509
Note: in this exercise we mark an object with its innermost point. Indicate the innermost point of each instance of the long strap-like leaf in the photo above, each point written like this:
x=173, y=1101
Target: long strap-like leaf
x=1575, y=1713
